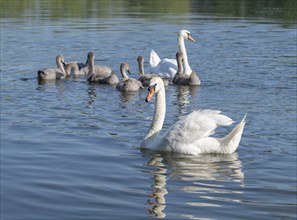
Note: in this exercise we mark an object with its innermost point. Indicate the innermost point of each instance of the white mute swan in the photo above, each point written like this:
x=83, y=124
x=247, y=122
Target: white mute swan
x=145, y=78
x=128, y=84
x=191, y=134
x=168, y=67
x=184, y=79
x=54, y=73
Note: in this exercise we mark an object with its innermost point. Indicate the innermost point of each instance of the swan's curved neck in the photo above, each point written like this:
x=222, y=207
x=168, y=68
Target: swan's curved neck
x=91, y=65
x=179, y=63
x=124, y=74
x=61, y=67
x=71, y=67
x=181, y=44
x=158, y=120
x=141, y=68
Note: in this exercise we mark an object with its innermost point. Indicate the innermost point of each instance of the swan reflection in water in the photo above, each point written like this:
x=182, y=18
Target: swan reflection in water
x=129, y=96
x=157, y=197
x=197, y=171
x=183, y=95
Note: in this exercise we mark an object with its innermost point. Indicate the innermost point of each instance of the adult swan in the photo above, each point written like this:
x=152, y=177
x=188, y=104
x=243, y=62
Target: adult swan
x=168, y=67
x=191, y=134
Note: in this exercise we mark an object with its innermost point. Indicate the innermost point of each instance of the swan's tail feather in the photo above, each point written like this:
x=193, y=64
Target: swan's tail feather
x=40, y=73
x=231, y=141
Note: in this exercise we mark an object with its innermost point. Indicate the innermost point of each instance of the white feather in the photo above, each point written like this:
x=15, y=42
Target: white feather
x=192, y=133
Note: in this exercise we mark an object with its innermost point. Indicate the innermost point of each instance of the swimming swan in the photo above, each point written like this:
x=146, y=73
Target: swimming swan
x=184, y=79
x=128, y=84
x=53, y=73
x=145, y=78
x=101, y=74
x=191, y=134
x=168, y=67
x=81, y=69
x=91, y=68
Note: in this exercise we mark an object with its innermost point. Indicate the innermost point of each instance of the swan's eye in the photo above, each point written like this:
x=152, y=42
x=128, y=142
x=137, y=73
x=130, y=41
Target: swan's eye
x=152, y=87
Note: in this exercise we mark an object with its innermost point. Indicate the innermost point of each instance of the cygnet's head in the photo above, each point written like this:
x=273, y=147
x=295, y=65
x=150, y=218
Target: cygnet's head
x=125, y=67
x=60, y=58
x=91, y=55
x=140, y=59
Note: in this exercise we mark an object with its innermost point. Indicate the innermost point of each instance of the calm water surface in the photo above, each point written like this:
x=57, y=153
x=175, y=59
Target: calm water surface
x=70, y=150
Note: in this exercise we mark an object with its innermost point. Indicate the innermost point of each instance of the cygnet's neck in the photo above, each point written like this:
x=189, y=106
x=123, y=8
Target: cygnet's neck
x=91, y=65
x=140, y=67
x=71, y=67
x=158, y=120
x=61, y=67
x=124, y=74
x=181, y=44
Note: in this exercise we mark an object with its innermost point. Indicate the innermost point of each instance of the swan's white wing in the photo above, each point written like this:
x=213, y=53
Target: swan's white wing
x=169, y=67
x=169, y=62
x=154, y=59
x=165, y=67
x=193, y=127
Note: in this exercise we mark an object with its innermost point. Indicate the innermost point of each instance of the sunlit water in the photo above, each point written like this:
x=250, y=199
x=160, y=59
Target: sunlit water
x=70, y=150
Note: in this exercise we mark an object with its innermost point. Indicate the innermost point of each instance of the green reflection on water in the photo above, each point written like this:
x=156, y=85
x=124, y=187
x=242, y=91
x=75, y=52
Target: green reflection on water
x=281, y=10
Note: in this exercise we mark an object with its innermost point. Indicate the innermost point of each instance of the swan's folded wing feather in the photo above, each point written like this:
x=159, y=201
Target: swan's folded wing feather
x=154, y=59
x=197, y=125
x=100, y=73
x=170, y=62
x=104, y=71
x=168, y=67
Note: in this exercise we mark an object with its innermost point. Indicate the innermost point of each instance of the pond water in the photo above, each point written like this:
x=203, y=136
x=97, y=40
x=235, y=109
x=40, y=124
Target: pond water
x=70, y=150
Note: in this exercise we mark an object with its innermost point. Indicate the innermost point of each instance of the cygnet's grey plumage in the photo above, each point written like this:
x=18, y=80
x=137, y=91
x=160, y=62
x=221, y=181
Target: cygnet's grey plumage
x=54, y=73
x=111, y=79
x=100, y=74
x=104, y=71
x=145, y=78
x=72, y=68
x=184, y=79
x=80, y=69
x=77, y=69
x=128, y=84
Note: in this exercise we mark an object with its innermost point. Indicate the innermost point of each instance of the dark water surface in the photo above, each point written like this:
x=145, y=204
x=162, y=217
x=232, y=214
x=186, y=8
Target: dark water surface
x=70, y=150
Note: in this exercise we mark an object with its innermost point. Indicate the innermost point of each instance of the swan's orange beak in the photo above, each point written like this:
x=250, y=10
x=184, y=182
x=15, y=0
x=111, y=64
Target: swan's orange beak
x=150, y=93
x=190, y=37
